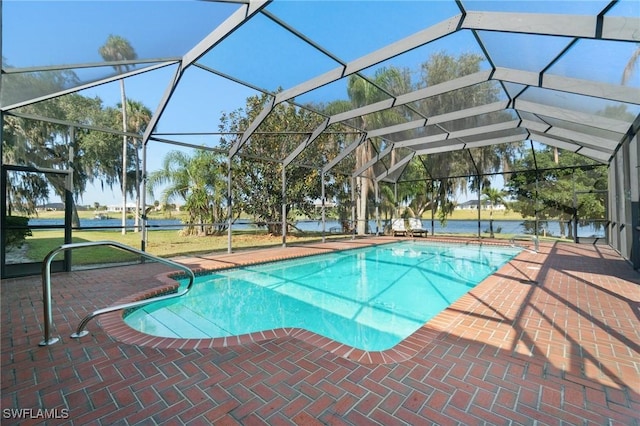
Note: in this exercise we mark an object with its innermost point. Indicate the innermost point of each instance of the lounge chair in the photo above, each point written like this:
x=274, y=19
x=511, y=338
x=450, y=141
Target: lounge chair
x=416, y=228
x=397, y=227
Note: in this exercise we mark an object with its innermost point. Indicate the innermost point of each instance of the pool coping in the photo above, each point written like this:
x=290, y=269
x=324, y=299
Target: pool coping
x=114, y=325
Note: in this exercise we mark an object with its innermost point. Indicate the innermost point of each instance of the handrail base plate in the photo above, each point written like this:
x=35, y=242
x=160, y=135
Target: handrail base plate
x=78, y=335
x=49, y=342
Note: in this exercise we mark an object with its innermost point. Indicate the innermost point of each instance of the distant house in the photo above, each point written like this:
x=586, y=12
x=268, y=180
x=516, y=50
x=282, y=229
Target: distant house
x=51, y=207
x=169, y=207
x=473, y=205
x=318, y=204
x=131, y=207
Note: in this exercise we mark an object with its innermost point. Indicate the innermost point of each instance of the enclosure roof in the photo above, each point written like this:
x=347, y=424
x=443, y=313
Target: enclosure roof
x=551, y=72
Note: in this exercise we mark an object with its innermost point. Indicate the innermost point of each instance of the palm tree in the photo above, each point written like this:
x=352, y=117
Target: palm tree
x=138, y=117
x=630, y=68
x=388, y=202
x=361, y=92
x=494, y=197
x=439, y=68
x=117, y=49
x=200, y=180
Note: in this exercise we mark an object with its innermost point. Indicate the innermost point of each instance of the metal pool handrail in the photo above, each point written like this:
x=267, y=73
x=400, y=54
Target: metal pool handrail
x=46, y=287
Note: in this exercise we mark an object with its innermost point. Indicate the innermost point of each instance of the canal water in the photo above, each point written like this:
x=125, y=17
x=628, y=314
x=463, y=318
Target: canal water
x=550, y=228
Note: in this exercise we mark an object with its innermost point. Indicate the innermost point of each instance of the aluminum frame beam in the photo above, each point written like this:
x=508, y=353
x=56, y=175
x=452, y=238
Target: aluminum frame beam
x=558, y=143
x=577, y=86
x=555, y=138
x=252, y=128
x=600, y=122
x=452, y=138
x=418, y=39
x=341, y=156
x=582, y=26
x=436, y=89
x=85, y=86
x=397, y=128
x=72, y=124
x=395, y=167
x=548, y=24
x=584, y=140
x=233, y=22
x=298, y=150
x=470, y=112
x=463, y=145
x=572, y=26
x=595, y=155
x=614, y=28
x=587, y=152
x=446, y=148
x=503, y=74
x=536, y=126
x=373, y=161
x=472, y=131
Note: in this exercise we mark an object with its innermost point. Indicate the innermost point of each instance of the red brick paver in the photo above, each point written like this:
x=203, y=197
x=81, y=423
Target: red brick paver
x=552, y=338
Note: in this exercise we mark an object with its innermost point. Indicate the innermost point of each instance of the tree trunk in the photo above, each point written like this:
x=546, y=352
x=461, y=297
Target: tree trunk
x=570, y=229
x=491, y=223
x=362, y=156
x=362, y=206
x=274, y=228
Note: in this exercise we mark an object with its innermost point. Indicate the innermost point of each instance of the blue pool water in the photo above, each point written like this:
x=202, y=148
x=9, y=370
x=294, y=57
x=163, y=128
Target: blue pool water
x=370, y=298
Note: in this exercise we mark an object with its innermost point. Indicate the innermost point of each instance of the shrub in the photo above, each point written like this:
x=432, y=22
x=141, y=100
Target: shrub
x=15, y=237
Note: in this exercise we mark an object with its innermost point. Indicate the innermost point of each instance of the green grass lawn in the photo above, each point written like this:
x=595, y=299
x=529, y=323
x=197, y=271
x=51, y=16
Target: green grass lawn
x=169, y=243
x=162, y=243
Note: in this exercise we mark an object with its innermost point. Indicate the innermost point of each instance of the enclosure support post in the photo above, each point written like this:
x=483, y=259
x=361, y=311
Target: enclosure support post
x=68, y=200
x=143, y=199
x=575, y=208
x=535, y=210
x=377, y=187
x=634, y=193
x=229, y=209
x=284, y=206
x=124, y=157
x=323, y=206
x=433, y=204
x=395, y=200
x=3, y=194
x=479, y=207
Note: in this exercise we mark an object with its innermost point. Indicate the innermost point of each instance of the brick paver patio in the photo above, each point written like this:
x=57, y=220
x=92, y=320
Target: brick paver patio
x=551, y=338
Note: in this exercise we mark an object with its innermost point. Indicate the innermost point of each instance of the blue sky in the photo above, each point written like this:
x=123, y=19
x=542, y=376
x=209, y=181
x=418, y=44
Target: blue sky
x=44, y=33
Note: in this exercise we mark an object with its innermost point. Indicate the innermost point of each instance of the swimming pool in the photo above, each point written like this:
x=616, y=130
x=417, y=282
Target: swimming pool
x=370, y=298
